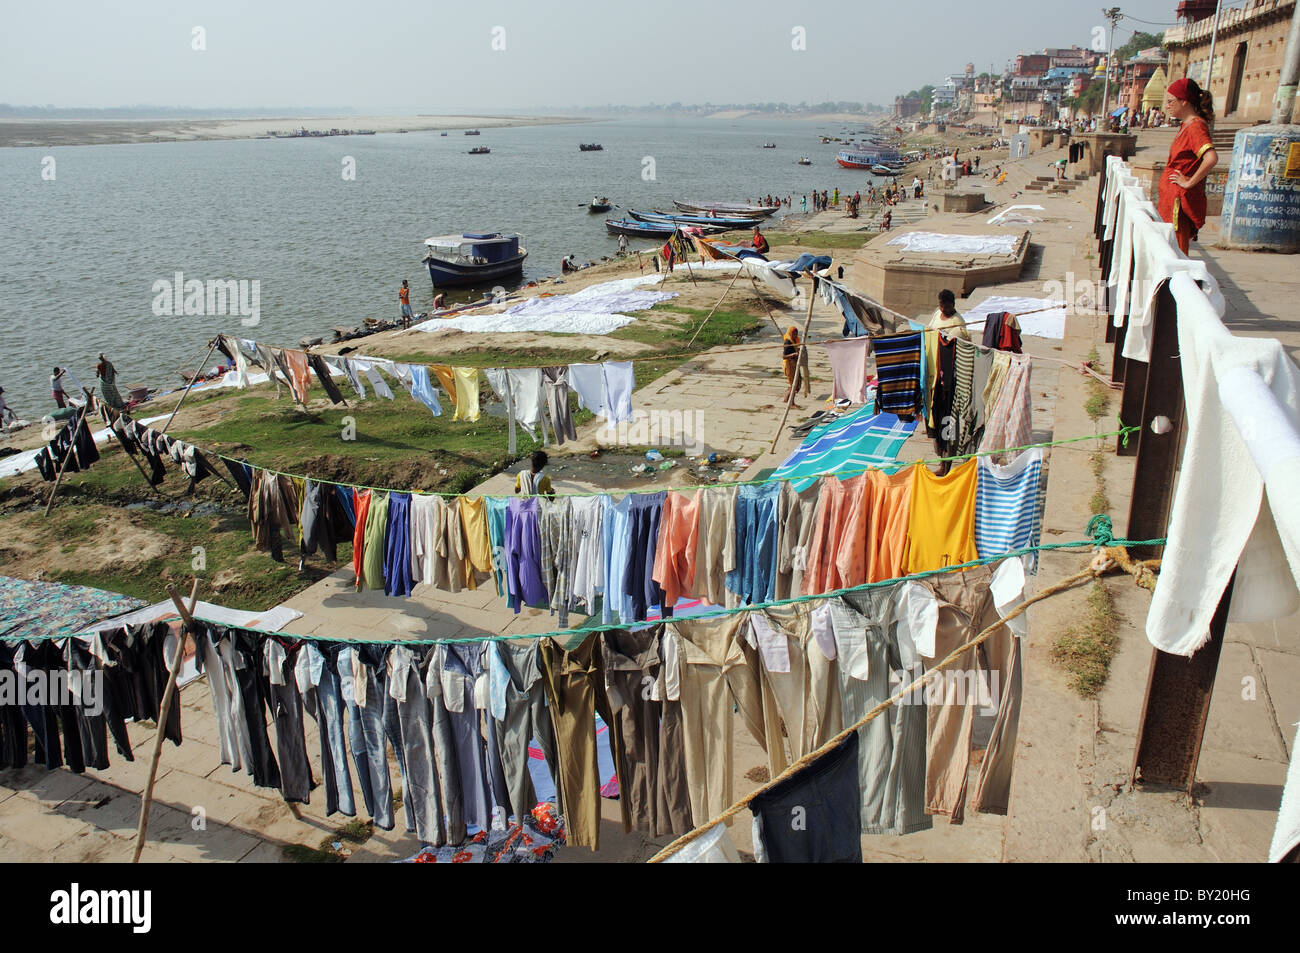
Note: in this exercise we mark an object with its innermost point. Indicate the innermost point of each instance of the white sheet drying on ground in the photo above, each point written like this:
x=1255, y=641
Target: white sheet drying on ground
x=594, y=310
x=1044, y=324
x=959, y=244
x=22, y=462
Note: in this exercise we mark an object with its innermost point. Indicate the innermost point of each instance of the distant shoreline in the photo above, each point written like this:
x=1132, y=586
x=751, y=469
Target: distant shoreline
x=48, y=133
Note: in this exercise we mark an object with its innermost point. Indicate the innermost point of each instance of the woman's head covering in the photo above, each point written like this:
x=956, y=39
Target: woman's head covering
x=1180, y=89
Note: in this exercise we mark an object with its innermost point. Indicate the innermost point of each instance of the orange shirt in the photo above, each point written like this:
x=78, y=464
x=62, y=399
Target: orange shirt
x=679, y=526
x=405, y=294
x=361, y=507
x=822, y=573
x=890, y=505
x=853, y=541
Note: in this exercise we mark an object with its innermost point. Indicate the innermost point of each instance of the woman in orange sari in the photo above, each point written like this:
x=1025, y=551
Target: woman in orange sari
x=1191, y=158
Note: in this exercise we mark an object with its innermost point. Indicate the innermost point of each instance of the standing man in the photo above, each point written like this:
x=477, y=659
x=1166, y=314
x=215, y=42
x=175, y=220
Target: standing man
x=404, y=295
x=56, y=387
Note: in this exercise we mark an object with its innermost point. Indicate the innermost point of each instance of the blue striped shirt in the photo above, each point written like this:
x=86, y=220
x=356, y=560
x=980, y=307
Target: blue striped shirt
x=1007, y=506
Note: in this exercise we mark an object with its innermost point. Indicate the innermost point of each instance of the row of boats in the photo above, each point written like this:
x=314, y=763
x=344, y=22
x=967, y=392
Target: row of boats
x=473, y=258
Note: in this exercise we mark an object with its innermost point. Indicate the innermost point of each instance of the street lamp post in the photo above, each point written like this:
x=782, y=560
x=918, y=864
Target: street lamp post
x=1112, y=14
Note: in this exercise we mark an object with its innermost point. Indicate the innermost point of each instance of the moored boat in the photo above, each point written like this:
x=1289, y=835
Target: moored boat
x=472, y=132
x=473, y=258
x=636, y=229
x=868, y=158
x=804, y=160
x=716, y=221
x=590, y=147
x=479, y=151
x=883, y=169
x=732, y=209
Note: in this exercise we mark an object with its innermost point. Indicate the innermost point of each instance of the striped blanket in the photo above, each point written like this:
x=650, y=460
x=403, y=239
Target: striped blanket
x=898, y=369
x=854, y=443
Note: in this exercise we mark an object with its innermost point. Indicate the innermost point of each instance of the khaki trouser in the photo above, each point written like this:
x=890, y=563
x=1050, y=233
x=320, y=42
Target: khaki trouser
x=717, y=672
x=965, y=609
x=576, y=691
x=806, y=698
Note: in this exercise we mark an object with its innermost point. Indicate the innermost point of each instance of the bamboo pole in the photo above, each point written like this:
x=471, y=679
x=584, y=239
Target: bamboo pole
x=187, y=620
x=715, y=308
x=190, y=386
x=81, y=421
x=803, y=346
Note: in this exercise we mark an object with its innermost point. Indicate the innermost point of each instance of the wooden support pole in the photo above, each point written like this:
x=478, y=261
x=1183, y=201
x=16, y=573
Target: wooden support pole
x=190, y=386
x=146, y=801
x=72, y=444
x=714, y=308
x=803, y=346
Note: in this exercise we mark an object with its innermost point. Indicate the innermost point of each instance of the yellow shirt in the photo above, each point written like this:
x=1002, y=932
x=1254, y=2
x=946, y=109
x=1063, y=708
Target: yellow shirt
x=544, y=487
x=466, y=393
x=478, y=544
x=941, y=530
x=953, y=326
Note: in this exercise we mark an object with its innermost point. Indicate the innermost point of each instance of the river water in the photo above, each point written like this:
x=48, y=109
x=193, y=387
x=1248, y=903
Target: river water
x=85, y=239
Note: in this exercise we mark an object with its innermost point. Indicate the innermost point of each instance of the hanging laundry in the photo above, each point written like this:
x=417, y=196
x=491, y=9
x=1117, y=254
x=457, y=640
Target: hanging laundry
x=652, y=784
x=898, y=369
x=300, y=373
x=363, y=681
x=255, y=696
x=422, y=389
x=968, y=603
x=523, y=553
x=272, y=509
x=422, y=791
x=376, y=552
x=880, y=635
x=466, y=391
x=397, y=546
x=437, y=543
x=478, y=544
x=715, y=551
x=588, y=382
x=555, y=529
x=619, y=382
x=639, y=588
x=351, y=372
x=575, y=691
x=1007, y=506
x=521, y=392
x=518, y=705
x=555, y=381
x=322, y=699
x=998, y=368
x=849, y=368
x=941, y=527
x=941, y=330
x=447, y=378
x=361, y=510
x=719, y=677
x=754, y=577
x=296, y=779
x=852, y=549
x=1002, y=331
x=587, y=580
x=942, y=424
x=616, y=549
x=824, y=795
x=963, y=407
x=326, y=378
x=380, y=385
x=1010, y=422
x=324, y=521
x=890, y=507
x=496, y=522
x=72, y=449
x=675, y=550
x=799, y=679
x=266, y=357
x=829, y=518
x=795, y=526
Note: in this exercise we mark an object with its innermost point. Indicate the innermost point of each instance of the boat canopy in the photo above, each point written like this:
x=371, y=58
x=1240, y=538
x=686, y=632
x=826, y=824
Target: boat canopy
x=471, y=246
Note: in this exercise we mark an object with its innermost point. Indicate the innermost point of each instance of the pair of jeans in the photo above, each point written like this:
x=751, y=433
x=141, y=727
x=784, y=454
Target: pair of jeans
x=366, y=733
x=296, y=780
x=422, y=794
x=643, y=529
x=870, y=649
x=450, y=677
x=812, y=817
x=224, y=707
x=254, y=693
x=93, y=729
x=45, y=658
x=322, y=699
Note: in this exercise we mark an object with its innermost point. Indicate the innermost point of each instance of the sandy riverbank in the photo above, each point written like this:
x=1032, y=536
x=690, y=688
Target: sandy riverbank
x=76, y=132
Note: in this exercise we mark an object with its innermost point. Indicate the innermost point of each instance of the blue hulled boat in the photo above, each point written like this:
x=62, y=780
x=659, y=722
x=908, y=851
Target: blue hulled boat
x=472, y=258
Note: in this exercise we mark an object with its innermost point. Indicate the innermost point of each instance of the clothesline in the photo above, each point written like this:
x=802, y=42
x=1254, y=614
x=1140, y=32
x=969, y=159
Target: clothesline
x=1123, y=432
x=1100, y=537
x=1117, y=557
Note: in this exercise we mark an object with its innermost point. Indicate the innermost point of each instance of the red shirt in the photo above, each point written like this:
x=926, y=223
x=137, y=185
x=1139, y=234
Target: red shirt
x=1192, y=142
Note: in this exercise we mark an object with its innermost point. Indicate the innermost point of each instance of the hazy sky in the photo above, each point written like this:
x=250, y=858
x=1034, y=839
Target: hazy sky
x=438, y=56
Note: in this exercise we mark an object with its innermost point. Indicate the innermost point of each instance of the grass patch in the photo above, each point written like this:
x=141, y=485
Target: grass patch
x=1099, y=501
x=822, y=239
x=1097, y=461
x=1098, y=402
x=1086, y=651
x=353, y=832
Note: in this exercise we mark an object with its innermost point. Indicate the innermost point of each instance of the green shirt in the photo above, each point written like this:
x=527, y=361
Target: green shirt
x=372, y=568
